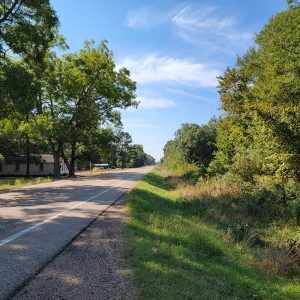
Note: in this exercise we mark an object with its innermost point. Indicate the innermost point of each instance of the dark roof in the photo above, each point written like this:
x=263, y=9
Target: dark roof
x=34, y=159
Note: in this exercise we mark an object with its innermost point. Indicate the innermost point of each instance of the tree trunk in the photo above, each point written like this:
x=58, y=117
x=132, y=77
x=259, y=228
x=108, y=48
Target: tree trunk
x=70, y=163
x=56, y=156
x=72, y=168
x=56, y=165
x=27, y=156
x=65, y=160
x=27, y=150
x=73, y=159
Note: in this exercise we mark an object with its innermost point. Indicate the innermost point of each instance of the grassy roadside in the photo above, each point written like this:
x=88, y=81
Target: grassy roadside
x=14, y=183
x=177, y=255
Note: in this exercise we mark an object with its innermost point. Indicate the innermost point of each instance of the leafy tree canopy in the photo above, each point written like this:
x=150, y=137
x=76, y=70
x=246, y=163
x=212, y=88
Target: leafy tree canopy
x=27, y=27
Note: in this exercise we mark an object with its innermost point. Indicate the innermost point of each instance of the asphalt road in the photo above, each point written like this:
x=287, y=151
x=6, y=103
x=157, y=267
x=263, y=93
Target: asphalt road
x=37, y=222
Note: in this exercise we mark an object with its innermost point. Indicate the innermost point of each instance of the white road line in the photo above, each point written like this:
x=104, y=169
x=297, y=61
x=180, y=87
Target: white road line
x=34, y=226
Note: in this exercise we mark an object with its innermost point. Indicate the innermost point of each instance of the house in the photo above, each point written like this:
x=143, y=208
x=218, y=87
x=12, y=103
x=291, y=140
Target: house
x=39, y=165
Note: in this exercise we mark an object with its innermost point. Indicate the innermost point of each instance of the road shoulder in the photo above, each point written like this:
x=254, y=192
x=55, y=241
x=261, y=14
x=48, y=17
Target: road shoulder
x=91, y=267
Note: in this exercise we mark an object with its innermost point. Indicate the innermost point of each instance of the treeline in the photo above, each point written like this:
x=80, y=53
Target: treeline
x=123, y=153
x=192, y=149
x=68, y=106
x=241, y=172
x=259, y=132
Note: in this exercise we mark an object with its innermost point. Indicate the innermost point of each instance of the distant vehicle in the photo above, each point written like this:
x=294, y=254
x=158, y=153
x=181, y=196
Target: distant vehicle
x=101, y=166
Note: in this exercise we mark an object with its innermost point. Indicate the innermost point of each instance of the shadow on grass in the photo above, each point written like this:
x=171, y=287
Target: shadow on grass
x=157, y=181
x=192, y=260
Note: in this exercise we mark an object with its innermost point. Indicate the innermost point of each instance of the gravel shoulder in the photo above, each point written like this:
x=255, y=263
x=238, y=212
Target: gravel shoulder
x=91, y=267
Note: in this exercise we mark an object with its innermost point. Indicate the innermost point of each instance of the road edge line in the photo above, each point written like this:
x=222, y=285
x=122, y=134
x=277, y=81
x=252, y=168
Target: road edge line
x=48, y=261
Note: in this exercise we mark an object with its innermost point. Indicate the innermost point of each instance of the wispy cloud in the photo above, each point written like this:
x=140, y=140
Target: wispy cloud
x=203, y=18
x=153, y=68
x=144, y=18
x=208, y=26
x=155, y=103
x=183, y=93
x=204, y=26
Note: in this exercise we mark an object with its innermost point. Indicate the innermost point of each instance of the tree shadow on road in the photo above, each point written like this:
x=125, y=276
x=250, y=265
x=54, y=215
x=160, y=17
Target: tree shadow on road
x=90, y=268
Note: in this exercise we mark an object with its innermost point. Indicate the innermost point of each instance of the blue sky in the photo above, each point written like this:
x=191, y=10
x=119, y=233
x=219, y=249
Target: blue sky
x=174, y=50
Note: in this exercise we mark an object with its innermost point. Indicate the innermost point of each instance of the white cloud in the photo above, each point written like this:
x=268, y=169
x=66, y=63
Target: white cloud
x=180, y=92
x=144, y=18
x=154, y=103
x=203, y=18
x=153, y=68
x=206, y=27
x=201, y=22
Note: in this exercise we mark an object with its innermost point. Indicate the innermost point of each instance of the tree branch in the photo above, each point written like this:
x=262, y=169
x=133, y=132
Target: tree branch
x=10, y=10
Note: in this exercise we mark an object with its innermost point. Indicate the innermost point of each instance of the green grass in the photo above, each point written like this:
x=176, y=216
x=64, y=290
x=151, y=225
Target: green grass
x=193, y=261
x=13, y=183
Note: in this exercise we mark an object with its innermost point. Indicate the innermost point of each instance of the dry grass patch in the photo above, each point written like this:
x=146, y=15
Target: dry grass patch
x=217, y=188
x=13, y=183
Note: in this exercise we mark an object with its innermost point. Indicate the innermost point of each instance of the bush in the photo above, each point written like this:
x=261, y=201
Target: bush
x=247, y=164
x=282, y=253
x=20, y=181
x=270, y=202
x=296, y=210
x=42, y=180
x=97, y=170
x=175, y=181
x=240, y=230
x=219, y=187
x=187, y=171
x=193, y=172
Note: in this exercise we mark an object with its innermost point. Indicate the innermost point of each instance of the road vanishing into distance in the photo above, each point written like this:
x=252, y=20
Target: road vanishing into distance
x=36, y=222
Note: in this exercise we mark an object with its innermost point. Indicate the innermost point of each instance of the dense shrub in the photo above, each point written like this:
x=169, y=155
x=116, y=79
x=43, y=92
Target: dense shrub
x=247, y=164
x=270, y=202
x=296, y=210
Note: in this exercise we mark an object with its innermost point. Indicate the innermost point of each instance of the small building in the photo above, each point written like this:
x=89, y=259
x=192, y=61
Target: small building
x=39, y=165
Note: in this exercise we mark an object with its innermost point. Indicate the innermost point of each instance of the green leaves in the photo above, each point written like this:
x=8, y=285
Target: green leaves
x=16, y=98
x=259, y=133
x=81, y=92
x=27, y=28
x=192, y=145
x=293, y=3
x=56, y=101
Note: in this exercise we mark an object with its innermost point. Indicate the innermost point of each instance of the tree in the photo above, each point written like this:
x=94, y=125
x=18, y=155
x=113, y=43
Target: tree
x=17, y=109
x=124, y=140
x=260, y=132
x=124, y=154
x=150, y=160
x=27, y=27
x=193, y=144
x=293, y=3
x=173, y=154
x=235, y=129
x=137, y=156
x=95, y=147
x=198, y=142
x=81, y=92
x=277, y=81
